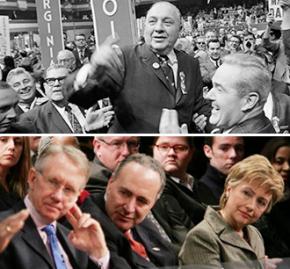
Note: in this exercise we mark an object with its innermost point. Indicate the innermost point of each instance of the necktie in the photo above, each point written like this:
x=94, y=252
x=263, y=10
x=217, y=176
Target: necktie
x=54, y=248
x=77, y=128
x=167, y=70
x=135, y=245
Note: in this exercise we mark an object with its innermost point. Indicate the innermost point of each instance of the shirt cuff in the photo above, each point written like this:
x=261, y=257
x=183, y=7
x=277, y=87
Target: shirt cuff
x=103, y=262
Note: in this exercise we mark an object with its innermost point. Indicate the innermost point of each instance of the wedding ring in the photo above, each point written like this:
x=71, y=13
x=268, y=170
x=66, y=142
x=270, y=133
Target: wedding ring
x=8, y=228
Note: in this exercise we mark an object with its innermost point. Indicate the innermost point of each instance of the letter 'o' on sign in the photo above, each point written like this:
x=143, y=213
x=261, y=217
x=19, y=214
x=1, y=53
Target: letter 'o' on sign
x=114, y=9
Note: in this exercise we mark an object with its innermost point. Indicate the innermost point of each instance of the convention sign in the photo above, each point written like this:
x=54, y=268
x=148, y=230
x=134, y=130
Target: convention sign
x=115, y=18
x=4, y=36
x=275, y=9
x=50, y=30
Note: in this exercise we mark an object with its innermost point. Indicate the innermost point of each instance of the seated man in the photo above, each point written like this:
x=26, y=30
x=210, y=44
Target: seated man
x=60, y=116
x=59, y=175
x=177, y=210
x=109, y=152
x=132, y=191
x=223, y=152
x=241, y=86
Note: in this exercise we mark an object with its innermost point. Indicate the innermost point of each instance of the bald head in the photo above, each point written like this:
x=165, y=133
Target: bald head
x=162, y=27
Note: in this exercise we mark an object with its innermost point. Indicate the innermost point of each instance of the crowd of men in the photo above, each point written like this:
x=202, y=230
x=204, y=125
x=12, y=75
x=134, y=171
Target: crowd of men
x=124, y=209
x=221, y=84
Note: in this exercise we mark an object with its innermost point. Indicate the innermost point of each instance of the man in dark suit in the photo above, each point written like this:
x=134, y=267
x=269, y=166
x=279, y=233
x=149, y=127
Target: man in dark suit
x=241, y=86
x=144, y=79
x=60, y=116
x=59, y=175
x=210, y=63
x=109, y=152
x=178, y=209
x=81, y=52
x=223, y=152
x=132, y=191
x=24, y=85
x=8, y=102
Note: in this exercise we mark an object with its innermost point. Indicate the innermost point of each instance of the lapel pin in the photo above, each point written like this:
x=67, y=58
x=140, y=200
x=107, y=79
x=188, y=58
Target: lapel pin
x=156, y=249
x=156, y=65
x=182, y=82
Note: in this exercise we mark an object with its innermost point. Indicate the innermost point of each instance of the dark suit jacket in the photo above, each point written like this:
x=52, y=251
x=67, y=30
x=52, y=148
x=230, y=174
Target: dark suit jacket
x=44, y=119
x=78, y=61
x=211, y=186
x=159, y=251
x=207, y=69
x=140, y=91
x=177, y=211
x=257, y=125
x=7, y=199
x=99, y=177
x=281, y=110
x=27, y=250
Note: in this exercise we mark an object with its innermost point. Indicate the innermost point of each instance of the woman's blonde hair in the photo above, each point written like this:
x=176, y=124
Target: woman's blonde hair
x=258, y=169
x=18, y=174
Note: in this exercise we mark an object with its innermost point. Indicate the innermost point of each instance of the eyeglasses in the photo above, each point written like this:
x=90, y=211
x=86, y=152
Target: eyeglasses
x=51, y=81
x=201, y=43
x=165, y=148
x=54, y=185
x=117, y=145
x=81, y=39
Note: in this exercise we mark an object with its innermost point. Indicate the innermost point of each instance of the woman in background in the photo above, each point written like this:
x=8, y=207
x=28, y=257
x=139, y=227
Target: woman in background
x=14, y=166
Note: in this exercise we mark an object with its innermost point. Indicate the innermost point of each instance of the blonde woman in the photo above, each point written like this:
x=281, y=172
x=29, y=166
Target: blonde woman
x=226, y=238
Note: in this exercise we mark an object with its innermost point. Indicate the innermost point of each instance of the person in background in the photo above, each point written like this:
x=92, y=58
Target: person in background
x=14, y=167
x=274, y=226
x=109, y=152
x=67, y=58
x=177, y=210
x=8, y=65
x=223, y=152
x=226, y=238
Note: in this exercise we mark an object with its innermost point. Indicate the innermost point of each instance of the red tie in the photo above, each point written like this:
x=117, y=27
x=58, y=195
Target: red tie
x=135, y=245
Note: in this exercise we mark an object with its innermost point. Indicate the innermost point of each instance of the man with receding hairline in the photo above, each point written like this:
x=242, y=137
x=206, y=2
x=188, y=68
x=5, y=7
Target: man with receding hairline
x=144, y=79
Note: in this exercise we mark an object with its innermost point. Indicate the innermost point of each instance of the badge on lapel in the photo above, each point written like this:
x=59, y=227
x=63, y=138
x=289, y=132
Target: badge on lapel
x=182, y=82
x=156, y=65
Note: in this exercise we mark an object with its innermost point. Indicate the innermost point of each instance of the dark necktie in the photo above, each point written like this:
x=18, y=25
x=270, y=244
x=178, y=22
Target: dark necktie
x=54, y=248
x=77, y=128
x=167, y=70
x=135, y=245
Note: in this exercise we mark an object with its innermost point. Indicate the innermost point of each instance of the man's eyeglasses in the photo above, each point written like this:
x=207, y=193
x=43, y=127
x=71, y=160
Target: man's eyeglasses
x=165, y=148
x=117, y=145
x=201, y=43
x=54, y=185
x=51, y=81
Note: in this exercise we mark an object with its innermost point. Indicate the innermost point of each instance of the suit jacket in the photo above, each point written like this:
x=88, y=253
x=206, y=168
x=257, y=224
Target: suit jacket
x=281, y=112
x=27, y=250
x=207, y=69
x=99, y=177
x=213, y=242
x=177, y=211
x=139, y=91
x=158, y=250
x=87, y=54
x=211, y=186
x=259, y=125
x=44, y=119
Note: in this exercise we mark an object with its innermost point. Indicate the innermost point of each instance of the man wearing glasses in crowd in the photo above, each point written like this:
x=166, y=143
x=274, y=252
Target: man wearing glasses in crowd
x=81, y=52
x=109, y=152
x=177, y=210
x=60, y=116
